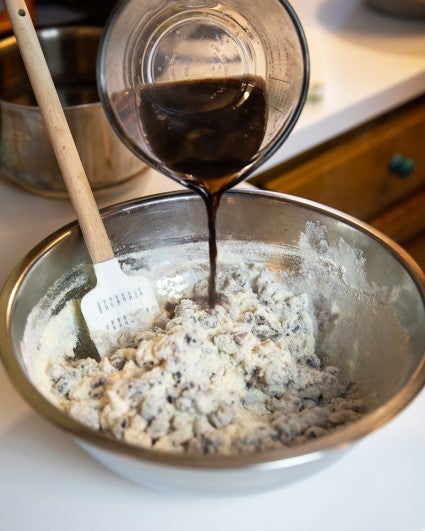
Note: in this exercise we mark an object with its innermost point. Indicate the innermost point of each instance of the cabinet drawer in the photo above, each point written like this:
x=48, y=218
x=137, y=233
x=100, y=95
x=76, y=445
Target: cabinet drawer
x=352, y=173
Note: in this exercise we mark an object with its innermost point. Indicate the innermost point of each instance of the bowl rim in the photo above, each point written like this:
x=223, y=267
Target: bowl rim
x=275, y=459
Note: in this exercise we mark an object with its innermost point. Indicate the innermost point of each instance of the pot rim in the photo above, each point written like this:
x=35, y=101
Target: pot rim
x=10, y=41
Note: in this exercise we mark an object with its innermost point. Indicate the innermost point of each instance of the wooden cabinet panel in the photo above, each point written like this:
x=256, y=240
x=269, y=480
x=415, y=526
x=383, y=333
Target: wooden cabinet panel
x=352, y=173
x=416, y=248
x=405, y=220
x=405, y=223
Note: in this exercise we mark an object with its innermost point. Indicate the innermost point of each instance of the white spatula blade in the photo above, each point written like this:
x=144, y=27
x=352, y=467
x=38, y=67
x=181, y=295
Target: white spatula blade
x=118, y=304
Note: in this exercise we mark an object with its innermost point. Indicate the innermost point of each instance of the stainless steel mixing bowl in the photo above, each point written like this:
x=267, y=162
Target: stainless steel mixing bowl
x=26, y=156
x=389, y=369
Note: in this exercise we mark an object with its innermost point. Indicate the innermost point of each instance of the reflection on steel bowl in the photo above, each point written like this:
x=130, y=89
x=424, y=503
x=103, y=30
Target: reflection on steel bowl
x=366, y=303
x=26, y=156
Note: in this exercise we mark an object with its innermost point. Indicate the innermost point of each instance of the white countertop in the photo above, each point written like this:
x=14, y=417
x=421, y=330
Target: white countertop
x=48, y=483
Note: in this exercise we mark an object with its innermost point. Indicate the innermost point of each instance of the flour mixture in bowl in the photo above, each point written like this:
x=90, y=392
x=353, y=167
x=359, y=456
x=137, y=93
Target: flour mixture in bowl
x=244, y=377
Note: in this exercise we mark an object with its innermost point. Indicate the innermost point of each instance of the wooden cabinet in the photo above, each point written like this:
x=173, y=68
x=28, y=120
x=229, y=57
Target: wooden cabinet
x=375, y=173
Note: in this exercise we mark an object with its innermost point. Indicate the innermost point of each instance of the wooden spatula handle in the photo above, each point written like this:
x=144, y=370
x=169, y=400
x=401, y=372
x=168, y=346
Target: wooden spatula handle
x=75, y=178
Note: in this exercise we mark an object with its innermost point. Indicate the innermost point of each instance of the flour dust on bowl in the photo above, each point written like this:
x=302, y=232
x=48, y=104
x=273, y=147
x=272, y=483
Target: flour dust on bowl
x=318, y=338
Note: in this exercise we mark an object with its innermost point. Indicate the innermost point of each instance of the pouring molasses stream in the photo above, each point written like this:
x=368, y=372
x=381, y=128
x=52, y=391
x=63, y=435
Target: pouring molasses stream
x=206, y=131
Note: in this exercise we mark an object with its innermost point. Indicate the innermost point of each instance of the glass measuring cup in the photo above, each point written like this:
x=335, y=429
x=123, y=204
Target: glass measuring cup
x=203, y=91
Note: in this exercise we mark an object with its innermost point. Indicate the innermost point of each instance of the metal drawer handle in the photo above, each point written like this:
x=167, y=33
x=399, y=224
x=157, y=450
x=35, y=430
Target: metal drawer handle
x=401, y=166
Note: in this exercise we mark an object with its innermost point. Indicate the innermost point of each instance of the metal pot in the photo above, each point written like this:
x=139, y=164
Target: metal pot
x=26, y=156
x=389, y=369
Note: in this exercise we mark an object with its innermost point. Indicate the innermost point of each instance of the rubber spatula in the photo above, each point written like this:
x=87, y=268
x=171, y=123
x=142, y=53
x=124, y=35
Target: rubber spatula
x=119, y=302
